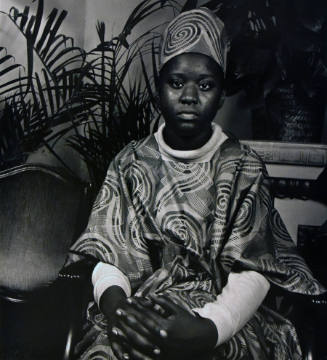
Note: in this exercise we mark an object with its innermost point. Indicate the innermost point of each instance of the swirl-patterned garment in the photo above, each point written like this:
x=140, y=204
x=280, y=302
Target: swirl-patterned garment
x=180, y=228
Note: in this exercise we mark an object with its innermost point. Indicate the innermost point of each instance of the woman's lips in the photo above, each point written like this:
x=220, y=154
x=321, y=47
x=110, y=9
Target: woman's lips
x=187, y=115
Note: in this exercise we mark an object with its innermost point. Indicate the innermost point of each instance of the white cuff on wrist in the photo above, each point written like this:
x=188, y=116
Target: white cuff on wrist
x=106, y=275
x=234, y=307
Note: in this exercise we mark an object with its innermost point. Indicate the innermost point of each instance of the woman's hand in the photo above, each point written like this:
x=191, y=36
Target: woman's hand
x=112, y=299
x=162, y=329
x=131, y=340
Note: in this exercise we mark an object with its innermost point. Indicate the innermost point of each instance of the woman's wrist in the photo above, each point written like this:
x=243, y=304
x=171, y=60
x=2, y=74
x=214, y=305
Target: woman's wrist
x=210, y=333
x=111, y=299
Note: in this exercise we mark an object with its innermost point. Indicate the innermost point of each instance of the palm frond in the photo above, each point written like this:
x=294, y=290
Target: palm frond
x=40, y=100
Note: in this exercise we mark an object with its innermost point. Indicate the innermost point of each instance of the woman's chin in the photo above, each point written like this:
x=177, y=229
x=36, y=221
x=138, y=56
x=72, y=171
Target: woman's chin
x=188, y=128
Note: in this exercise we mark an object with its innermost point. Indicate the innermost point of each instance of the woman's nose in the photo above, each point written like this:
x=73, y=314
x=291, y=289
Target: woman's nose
x=190, y=94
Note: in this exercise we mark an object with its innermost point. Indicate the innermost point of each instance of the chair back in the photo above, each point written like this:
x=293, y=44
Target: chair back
x=42, y=211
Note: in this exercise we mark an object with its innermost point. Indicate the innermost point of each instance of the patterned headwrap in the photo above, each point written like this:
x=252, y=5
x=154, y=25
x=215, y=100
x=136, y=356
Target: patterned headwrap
x=198, y=30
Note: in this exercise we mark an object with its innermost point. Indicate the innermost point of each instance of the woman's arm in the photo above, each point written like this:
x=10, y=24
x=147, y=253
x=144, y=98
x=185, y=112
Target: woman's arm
x=217, y=323
x=105, y=276
x=234, y=307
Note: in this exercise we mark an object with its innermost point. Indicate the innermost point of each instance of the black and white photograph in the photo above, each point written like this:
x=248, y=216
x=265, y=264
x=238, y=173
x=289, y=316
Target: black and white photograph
x=163, y=180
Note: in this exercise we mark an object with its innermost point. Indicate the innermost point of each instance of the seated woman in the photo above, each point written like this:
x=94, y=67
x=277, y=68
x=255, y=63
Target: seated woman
x=184, y=230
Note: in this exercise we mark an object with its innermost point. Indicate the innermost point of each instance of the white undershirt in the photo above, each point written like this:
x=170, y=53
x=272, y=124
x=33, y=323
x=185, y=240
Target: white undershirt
x=202, y=154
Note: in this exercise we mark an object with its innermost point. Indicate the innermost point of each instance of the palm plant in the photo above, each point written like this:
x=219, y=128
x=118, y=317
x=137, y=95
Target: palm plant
x=35, y=102
x=118, y=108
x=73, y=90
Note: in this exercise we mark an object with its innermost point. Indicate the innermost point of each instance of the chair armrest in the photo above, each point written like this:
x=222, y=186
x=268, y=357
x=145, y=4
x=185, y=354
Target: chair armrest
x=75, y=281
x=310, y=319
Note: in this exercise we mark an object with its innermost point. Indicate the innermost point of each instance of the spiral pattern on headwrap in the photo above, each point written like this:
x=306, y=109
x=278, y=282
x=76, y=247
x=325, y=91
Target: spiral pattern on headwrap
x=197, y=30
x=182, y=34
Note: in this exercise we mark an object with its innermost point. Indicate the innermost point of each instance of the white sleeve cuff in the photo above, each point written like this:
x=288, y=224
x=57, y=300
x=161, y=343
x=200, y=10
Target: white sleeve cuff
x=106, y=275
x=235, y=306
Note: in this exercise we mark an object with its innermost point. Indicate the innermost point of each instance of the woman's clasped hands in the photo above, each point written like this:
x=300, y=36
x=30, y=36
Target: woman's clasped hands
x=159, y=329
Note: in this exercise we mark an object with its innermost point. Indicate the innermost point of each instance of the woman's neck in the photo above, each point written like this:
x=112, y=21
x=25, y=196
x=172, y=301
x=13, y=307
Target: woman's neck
x=177, y=142
x=200, y=154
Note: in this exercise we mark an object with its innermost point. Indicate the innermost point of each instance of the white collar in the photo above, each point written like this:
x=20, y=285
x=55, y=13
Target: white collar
x=202, y=154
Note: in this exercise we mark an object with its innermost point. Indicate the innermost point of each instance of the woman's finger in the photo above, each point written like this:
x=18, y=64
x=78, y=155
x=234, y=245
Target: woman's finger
x=156, y=329
x=153, y=312
x=168, y=306
x=154, y=323
x=132, y=321
x=119, y=351
x=118, y=335
x=149, y=318
x=153, y=306
x=136, y=355
x=122, y=346
x=139, y=342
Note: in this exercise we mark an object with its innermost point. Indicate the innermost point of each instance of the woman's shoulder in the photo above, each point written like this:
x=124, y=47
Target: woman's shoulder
x=137, y=149
x=234, y=150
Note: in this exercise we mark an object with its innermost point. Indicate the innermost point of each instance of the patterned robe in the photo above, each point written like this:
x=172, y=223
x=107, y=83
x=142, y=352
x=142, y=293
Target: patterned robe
x=179, y=228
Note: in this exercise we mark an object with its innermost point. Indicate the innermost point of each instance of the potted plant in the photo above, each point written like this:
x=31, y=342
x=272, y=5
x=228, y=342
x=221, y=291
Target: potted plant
x=36, y=96
x=83, y=95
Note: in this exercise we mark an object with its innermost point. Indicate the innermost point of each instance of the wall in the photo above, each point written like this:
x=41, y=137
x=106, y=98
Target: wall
x=73, y=25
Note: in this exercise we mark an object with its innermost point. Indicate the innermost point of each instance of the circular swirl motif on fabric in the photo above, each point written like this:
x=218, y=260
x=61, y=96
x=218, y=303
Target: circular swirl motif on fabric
x=100, y=351
x=141, y=180
x=97, y=247
x=181, y=168
x=108, y=190
x=223, y=195
x=137, y=241
x=246, y=216
x=200, y=298
x=182, y=34
x=183, y=228
x=278, y=226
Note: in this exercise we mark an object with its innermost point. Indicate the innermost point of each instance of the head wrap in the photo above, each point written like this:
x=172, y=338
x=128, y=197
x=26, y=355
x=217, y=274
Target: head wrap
x=198, y=30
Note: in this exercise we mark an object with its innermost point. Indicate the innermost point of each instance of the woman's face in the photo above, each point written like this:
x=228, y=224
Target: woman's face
x=190, y=88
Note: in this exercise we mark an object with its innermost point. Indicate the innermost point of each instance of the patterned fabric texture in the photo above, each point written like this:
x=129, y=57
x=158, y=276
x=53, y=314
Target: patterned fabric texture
x=180, y=228
x=199, y=31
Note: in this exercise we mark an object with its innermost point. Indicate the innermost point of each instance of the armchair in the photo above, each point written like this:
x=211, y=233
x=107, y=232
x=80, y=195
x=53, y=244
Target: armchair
x=42, y=212
x=309, y=314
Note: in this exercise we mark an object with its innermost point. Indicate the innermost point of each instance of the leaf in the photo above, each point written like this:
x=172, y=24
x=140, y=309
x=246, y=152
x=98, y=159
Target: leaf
x=46, y=31
x=41, y=96
x=147, y=82
x=38, y=20
x=9, y=68
x=52, y=34
x=24, y=17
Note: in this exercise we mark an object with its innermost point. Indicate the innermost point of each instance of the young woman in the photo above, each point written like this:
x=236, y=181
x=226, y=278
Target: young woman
x=184, y=228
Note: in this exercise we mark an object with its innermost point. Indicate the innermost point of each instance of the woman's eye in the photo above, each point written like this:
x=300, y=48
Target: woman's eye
x=176, y=84
x=205, y=86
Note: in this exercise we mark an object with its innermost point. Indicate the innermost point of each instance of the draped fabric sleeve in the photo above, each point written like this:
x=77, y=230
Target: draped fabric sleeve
x=113, y=234
x=258, y=239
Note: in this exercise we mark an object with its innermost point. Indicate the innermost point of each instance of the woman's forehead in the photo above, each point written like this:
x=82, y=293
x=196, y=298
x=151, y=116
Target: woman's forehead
x=191, y=63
